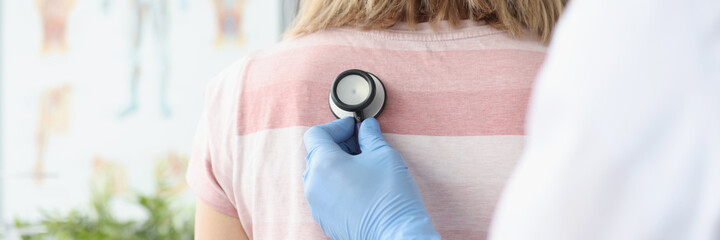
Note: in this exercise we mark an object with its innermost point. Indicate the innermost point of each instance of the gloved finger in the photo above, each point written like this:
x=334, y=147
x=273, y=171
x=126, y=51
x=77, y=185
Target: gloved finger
x=329, y=135
x=350, y=146
x=369, y=136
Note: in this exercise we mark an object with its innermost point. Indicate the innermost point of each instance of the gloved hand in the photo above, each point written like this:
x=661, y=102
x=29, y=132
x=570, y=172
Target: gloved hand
x=366, y=196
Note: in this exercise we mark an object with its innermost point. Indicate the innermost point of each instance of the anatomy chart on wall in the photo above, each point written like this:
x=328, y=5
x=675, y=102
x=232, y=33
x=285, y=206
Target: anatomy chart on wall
x=107, y=93
x=152, y=14
x=53, y=121
x=229, y=15
x=169, y=173
x=108, y=177
x=54, y=17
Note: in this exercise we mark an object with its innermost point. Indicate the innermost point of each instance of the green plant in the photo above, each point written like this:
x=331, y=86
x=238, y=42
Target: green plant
x=165, y=219
x=163, y=222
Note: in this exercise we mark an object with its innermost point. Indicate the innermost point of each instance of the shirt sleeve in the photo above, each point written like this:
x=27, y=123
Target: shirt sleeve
x=210, y=170
x=623, y=137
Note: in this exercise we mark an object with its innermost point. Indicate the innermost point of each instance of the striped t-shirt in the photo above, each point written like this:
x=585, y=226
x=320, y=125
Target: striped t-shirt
x=455, y=110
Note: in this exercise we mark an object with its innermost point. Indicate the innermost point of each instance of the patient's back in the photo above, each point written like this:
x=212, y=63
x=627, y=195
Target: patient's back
x=455, y=111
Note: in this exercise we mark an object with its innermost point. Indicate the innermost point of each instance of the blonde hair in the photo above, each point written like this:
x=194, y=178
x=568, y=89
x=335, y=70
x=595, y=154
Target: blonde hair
x=537, y=16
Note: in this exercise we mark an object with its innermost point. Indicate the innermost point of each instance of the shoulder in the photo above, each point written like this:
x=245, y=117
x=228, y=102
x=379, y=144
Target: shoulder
x=308, y=43
x=228, y=80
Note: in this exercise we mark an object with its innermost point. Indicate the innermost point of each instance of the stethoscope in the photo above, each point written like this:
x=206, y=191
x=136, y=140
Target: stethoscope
x=358, y=94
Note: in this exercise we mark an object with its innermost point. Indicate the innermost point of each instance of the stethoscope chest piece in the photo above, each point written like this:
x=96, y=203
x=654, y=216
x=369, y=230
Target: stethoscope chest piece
x=358, y=94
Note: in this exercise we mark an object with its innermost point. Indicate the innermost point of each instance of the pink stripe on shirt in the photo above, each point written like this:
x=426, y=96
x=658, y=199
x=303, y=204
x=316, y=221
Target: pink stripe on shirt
x=498, y=112
x=432, y=101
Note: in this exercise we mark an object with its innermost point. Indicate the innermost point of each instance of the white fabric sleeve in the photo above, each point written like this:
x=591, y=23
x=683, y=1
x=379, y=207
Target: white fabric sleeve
x=624, y=127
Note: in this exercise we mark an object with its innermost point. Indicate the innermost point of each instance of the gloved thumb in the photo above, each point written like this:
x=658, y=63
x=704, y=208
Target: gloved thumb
x=369, y=136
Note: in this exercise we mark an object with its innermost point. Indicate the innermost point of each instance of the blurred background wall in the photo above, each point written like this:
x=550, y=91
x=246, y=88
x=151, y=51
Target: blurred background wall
x=104, y=95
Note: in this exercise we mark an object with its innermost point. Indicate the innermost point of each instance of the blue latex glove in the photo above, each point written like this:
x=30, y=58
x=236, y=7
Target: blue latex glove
x=371, y=195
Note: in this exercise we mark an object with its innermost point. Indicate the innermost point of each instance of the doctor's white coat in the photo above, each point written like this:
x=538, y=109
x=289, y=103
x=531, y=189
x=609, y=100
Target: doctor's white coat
x=624, y=127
